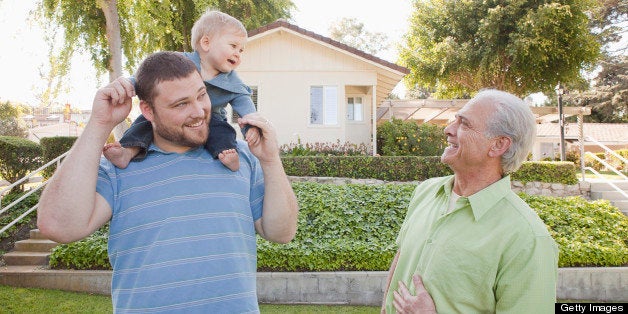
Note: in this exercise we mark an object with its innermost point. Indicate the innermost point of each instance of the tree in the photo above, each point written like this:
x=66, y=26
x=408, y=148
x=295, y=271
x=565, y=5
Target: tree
x=352, y=33
x=108, y=28
x=608, y=96
x=520, y=46
x=10, y=122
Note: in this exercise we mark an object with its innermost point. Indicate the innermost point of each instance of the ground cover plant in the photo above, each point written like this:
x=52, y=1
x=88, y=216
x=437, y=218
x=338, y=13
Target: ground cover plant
x=354, y=226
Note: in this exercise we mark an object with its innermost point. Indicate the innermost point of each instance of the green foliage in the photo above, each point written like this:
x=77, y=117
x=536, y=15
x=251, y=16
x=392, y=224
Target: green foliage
x=89, y=253
x=546, y=171
x=17, y=210
x=407, y=138
x=148, y=26
x=588, y=233
x=324, y=149
x=388, y=168
x=10, y=123
x=354, y=227
x=522, y=47
x=53, y=147
x=351, y=32
x=18, y=157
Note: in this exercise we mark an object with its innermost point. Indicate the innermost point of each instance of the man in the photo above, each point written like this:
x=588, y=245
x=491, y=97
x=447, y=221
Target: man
x=182, y=226
x=469, y=244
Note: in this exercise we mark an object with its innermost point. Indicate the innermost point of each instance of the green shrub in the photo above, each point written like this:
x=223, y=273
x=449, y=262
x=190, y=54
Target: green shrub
x=325, y=149
x=89, y=253
x=407, y=138
x=17, y=210
x=53, y=147
x=413, y=168
x=546, y=171
x=588, y=233
x=388, y=168
x=354, y=227
x=18, y=157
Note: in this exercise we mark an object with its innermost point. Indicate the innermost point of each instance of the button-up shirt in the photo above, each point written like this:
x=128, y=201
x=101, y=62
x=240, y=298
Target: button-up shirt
x=490, y=254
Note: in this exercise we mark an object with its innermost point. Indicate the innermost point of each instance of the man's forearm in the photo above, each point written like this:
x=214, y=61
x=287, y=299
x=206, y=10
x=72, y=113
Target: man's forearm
x=280, y=204
x=66, y=206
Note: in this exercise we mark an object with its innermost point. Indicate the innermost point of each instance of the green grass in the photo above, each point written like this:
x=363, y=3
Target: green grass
x=41, y=301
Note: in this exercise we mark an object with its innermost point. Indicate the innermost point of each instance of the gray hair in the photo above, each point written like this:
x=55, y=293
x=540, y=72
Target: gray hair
x=212, y=23
x=514, y=119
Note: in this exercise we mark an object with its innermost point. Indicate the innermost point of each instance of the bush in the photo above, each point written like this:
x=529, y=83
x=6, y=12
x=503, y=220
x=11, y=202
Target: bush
x=354, y=227
x=325, y=149
x=588, y=233
x=407, y=138
x=17, y=210
x=89, y=253
x=546, y=171
x=18, y=157
x=53, y=147
x=388, y=168
x=413, y=168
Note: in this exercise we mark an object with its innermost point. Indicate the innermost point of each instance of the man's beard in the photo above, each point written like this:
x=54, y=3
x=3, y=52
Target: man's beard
x=177, y=135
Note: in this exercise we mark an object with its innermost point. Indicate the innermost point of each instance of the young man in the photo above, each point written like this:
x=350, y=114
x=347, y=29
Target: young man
x=469, y=244
x=182, y=226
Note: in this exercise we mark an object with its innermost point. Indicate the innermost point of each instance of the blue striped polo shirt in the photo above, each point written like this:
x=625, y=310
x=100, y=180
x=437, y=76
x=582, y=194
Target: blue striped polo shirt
x=181, y=236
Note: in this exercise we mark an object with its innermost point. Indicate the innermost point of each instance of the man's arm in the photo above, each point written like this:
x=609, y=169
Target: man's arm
x=69, y=207
x=393, y=266
x=280, y=209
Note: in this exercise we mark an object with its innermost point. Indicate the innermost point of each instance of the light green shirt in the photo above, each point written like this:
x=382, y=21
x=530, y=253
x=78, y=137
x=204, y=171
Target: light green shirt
x=491, y=254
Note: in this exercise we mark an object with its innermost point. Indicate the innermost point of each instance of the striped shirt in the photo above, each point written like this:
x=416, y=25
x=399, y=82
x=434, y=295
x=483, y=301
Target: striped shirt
x=181, y=236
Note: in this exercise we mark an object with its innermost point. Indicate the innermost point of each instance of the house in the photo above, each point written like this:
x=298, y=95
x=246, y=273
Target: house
x=315, y=89
x=595, y=135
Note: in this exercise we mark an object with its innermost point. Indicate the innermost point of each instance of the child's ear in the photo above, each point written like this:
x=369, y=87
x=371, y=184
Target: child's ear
x=147, y=110
x=205, y=42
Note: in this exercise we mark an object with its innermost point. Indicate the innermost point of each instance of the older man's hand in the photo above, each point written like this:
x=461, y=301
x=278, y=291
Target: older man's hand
x=405, y=302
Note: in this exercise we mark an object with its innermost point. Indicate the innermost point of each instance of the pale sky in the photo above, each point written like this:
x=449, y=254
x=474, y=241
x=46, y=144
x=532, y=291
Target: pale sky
x=24, y=50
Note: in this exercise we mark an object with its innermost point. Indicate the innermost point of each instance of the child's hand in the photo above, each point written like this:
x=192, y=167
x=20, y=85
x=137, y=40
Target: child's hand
x=253, y=135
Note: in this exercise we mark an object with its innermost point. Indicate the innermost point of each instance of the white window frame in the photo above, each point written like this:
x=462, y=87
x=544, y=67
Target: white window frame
x=325, y=99
x=352, y=105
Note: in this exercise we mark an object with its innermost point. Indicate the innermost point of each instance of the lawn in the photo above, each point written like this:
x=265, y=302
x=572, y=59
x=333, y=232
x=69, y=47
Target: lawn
x=27, y=300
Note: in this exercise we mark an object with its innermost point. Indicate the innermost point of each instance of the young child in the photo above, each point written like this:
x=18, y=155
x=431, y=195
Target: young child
x=218, y=40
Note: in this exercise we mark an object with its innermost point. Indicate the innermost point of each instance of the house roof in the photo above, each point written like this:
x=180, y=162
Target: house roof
x=613, y=133
x=284, y=24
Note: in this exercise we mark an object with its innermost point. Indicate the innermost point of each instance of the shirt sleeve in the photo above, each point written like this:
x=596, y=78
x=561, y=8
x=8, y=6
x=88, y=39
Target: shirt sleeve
x=104, y=185
x=256, y=197
x=527, y=282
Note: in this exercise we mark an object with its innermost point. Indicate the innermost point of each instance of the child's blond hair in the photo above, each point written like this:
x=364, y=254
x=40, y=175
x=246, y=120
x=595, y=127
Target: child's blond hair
x=214, y=22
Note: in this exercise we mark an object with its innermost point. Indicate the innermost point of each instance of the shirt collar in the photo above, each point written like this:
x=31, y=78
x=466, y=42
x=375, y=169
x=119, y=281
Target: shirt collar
x=483, y=200
x=486, y=198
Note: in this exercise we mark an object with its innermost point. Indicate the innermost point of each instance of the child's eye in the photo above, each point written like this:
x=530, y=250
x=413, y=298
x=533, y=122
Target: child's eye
x=201, y=96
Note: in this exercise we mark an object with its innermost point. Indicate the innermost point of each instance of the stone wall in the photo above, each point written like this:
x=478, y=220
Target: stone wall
x=533, y=188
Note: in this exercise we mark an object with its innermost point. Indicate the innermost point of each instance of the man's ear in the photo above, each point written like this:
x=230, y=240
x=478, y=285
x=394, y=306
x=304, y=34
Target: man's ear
x=147, y=110
x=500, y=146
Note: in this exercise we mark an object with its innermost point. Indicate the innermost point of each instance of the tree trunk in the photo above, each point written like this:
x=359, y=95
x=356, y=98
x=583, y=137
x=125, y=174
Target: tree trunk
x=110, y=9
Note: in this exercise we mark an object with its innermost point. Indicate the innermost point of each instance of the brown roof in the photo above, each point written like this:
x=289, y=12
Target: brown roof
x=602, y=132
x=282, y=23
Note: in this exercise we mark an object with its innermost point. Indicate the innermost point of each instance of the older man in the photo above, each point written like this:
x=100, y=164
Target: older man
x=469, y=244
x=182, y=226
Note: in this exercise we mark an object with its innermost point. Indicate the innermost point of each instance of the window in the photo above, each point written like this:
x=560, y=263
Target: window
x=354, y=109
x=235, y=115
x=324, y=105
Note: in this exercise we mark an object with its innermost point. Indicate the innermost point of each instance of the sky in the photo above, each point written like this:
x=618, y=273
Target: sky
x=24, y=50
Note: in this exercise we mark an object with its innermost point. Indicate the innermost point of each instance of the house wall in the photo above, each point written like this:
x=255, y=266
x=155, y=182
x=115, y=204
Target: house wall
x=284, y=66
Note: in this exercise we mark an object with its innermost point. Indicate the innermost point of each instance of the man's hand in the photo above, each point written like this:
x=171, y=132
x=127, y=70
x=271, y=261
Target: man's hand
x=405, y=302
x=112, y=103
x=264, y=146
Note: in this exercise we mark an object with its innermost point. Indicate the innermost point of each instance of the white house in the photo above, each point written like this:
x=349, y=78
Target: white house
x=314, y=88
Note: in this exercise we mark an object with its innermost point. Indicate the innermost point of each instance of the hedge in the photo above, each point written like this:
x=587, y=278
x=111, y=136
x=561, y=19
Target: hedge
x=53, y=147
x=18, y=156
x=414, y=168
x=354, y=226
